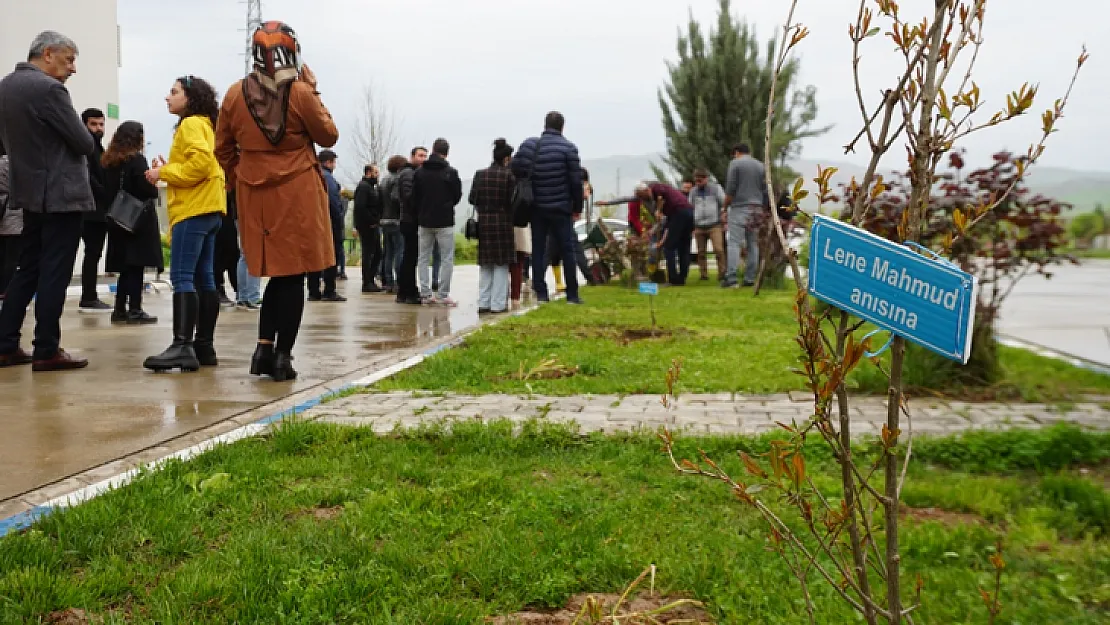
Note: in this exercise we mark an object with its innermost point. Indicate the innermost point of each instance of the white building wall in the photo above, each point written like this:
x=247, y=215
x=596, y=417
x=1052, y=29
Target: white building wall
x=92, y=26
x=90, y=23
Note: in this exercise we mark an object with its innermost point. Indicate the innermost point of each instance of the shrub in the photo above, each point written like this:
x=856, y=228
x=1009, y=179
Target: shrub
x=1087, y=501
x=1053, y=449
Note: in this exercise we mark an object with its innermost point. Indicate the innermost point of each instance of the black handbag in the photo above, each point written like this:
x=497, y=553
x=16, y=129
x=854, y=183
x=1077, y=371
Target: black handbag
x=126, y=209
x=471, y=229
x=524, y=197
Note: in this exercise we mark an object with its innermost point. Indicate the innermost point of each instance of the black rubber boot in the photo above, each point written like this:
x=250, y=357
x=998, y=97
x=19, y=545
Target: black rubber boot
x=180, y=354
x=262, y=362
x=283, y=368
x=209, y=312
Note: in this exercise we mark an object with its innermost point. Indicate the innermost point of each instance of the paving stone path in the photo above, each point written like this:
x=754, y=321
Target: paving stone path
x=694, y=414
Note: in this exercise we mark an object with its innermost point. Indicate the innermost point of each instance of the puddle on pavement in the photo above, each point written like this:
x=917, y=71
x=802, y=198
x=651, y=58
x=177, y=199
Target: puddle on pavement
x=57, y=425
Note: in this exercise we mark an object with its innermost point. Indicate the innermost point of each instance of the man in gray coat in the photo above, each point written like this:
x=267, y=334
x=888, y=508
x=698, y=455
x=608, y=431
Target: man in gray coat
x=47, y=147
x=746, y=199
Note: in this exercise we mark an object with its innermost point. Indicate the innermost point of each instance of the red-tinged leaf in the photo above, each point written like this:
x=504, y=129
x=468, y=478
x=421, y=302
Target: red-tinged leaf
x=690, y=465
x=776, y=463
x=788, y=428
x=788, y=467
x=799, y=463
x=752, y=466
x=987, y=599
x=998, y=562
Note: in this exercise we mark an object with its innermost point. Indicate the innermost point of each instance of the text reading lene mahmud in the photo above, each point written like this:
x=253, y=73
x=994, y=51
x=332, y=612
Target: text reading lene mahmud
x=897, y=277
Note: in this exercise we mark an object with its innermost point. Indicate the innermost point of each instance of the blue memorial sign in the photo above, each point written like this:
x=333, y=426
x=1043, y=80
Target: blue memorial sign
x=649, y=288
x=928, y=301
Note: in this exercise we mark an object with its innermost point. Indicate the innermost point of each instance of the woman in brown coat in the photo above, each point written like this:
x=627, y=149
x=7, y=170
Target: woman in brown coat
x=270, y=123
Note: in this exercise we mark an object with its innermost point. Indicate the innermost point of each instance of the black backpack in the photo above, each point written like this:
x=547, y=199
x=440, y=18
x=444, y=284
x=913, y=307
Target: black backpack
x=524, y=196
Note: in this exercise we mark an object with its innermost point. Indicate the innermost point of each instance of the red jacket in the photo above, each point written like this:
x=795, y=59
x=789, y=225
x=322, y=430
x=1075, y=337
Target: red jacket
x=634, y=217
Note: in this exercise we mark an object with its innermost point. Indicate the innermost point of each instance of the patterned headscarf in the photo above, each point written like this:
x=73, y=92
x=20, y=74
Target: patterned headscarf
x=276, y=65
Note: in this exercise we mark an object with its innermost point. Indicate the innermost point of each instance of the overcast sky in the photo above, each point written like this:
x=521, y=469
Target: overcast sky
x=475, y=70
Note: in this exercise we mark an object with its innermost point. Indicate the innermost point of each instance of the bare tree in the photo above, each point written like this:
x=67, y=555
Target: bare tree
x=375, y=135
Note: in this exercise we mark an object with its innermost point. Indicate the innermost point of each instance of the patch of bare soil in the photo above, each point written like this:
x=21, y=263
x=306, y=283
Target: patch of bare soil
x=320, y=514
x=72, y=616
x=942, y=516
x=628, y=613
x=550, y=369
x=641, y=334
x=626, y=335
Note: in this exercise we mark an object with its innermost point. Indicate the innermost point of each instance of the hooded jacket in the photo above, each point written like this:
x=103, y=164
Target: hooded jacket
x=405, y=180
x=436, y=190
x=391, y=205
x=708, y=204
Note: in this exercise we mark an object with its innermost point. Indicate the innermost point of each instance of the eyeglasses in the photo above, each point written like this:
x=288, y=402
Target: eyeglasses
x=189, y=81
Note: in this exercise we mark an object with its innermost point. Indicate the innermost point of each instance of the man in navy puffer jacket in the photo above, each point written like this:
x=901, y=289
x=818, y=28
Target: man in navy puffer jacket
x=557, y=186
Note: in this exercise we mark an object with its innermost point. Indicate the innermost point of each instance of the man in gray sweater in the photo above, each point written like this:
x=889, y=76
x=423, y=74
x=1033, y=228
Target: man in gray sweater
x=47, y=146
x=746, y=199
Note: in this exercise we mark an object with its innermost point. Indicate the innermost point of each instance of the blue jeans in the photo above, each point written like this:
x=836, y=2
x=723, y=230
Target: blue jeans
x=250, y=287
x=193, y=252
x=394, y=243
x=560, y=226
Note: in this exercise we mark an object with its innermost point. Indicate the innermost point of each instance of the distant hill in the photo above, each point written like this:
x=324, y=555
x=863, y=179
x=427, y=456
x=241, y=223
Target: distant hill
x=1083, y=189
x=614, y=176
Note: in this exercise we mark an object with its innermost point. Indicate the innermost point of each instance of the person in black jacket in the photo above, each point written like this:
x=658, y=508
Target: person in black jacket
x=368, y=217
x=95, y=228
x=552, y=163
x=393, y=242
x=436, y=190
x=407, y=290
x=131, y=253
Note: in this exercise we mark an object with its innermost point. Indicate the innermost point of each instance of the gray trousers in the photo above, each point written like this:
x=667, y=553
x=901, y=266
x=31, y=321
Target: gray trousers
x=493, y=287
x=740, y=235
x=429, y=239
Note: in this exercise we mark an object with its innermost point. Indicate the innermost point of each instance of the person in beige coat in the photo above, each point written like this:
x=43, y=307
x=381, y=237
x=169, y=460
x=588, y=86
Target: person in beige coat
x=522, y=238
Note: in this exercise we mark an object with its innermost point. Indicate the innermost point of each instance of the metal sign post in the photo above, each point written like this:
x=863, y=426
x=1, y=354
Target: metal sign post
x=650, y=289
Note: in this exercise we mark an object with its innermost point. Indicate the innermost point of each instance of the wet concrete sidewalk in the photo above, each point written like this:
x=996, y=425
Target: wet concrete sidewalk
x=55, y=425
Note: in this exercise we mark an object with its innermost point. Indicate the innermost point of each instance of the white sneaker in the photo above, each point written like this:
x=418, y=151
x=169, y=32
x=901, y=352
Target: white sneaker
x=447, y=302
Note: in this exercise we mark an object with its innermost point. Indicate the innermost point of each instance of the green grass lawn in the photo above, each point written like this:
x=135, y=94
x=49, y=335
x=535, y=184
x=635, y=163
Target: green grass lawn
x=321, y=524
x=730, y=341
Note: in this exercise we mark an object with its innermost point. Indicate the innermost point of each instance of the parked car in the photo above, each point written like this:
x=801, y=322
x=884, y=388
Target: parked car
x=618, y=227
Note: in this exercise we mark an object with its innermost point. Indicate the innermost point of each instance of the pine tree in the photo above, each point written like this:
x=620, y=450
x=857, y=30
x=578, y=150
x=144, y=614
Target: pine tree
x=717, y=97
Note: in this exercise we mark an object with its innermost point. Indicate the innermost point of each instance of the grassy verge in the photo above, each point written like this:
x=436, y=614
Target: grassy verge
x=1090, y=254
x=324, y=524
x=730, y=341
